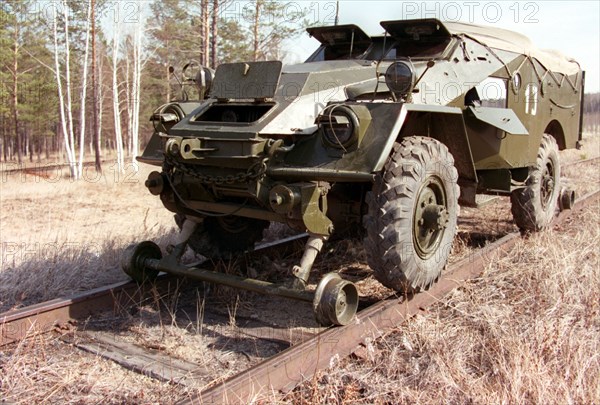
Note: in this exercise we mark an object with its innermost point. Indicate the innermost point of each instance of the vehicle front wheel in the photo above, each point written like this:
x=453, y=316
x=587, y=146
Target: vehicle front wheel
x=221, y=237
x=412, y=215
x=533, y=206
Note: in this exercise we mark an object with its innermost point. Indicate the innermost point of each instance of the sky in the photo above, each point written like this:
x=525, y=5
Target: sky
x=572, y=27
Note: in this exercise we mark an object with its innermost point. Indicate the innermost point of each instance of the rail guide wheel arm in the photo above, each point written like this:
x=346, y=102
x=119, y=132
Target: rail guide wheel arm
x=335, y=300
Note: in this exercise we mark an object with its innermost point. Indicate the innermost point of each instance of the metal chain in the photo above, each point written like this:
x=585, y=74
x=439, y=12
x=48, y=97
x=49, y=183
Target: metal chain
x=256, y=171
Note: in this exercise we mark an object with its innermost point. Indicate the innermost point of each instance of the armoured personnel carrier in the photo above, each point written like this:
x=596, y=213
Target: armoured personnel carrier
x=391, y=133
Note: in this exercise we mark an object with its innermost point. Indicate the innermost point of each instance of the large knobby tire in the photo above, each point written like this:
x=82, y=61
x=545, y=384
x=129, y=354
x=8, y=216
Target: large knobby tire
x=534, y=205
x=411, y=220
x=222, y=237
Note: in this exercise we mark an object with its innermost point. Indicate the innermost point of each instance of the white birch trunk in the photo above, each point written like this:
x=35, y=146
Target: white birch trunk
x=137, y=73
x=100, y=101
x=70, y=154
x=83, y=92
x=116, y=103
x=128, y=91
x=69, y=104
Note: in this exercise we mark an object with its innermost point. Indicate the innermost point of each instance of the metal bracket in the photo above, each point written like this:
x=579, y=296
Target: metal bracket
x=314, y=207
x=177, y=250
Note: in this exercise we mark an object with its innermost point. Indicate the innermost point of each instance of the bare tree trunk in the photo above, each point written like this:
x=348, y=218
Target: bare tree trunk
x=116, y=103
x=29, y=145
x=214, y=34
x=4, y=143
x=69, y=105
x=83, y=93
x=137, y=77
x=128, y=96
x=38, y=149
x=95, y=126
x=168, y=84
x=15, y=95
x=61, y=101
x=255, y=29
x=205, y=32
x=100, y=88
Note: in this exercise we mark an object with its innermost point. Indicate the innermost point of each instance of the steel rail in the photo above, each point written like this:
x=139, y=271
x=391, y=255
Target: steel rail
x=18, y=324
x=39, y=167
x=46, y=316
x=291, y=367
x=580, y=162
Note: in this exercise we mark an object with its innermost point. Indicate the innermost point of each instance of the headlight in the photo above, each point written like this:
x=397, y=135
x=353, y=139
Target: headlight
x=400, y=78
x=339, y=125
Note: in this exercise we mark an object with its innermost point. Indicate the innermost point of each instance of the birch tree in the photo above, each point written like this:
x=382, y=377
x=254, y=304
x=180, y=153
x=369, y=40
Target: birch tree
x=82, y=120
x=95, y=94
x=116, y=104
x=136, y=85
x=68, y=90
x=64, y=108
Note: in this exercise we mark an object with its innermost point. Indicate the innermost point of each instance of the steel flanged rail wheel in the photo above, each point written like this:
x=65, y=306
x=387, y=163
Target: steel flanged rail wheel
x=134, y=258
x=335, y=301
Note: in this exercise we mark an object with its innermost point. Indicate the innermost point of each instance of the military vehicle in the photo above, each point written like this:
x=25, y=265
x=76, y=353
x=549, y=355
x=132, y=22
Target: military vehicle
x=390, y=133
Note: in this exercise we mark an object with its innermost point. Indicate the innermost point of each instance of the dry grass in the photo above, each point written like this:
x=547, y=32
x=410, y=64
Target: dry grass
x=527, y=331
x=43, y=370
x=58, y=237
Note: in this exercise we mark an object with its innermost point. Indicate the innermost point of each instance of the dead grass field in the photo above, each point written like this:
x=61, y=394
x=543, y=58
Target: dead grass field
x=58, y=237
x=527, y=331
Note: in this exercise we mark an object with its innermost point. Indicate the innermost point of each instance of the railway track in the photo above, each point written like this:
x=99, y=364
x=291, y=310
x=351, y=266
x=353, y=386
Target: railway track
x=282, y=372
x=45, y=171
x=293, y=366
x=583, y=161
x=59, y=313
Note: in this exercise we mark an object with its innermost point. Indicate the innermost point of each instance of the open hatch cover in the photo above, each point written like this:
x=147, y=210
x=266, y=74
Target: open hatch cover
x=251, y=80
x=416, y=30
x=339, y=34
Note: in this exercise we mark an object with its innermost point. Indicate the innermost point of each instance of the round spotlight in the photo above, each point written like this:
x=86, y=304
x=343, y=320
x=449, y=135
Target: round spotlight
x=339, y=125
x=400, y=78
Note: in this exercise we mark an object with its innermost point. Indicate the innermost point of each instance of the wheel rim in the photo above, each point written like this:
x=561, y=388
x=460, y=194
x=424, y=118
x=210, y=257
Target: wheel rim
x=547, y=184
x=430, y=217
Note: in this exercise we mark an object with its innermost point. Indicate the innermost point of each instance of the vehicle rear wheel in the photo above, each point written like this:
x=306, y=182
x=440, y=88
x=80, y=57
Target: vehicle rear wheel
x=221, y=237
x=412, y=214
x=533, y=206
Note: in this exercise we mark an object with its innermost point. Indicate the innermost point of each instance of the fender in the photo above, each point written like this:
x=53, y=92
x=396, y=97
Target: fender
x=387, y=122
x=313, y=159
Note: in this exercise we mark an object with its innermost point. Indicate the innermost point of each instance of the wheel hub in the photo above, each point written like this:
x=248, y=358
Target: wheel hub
x=435, y=217
x=547, y=185
x=431, y=218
